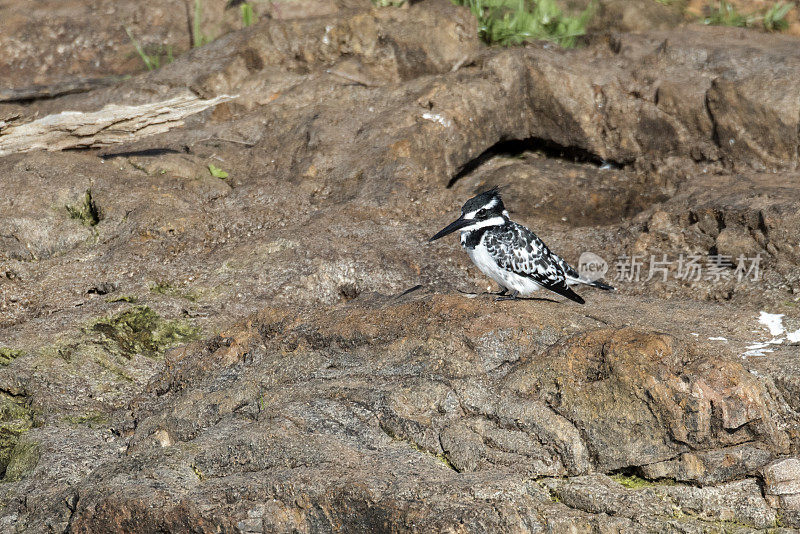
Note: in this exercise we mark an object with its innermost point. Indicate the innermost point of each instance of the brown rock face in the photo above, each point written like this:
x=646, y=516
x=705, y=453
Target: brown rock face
x=230, y=319
x=374, y=397
x=640, y=400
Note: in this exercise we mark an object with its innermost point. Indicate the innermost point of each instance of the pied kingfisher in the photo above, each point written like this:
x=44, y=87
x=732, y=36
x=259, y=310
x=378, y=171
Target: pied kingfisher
x=509, y=253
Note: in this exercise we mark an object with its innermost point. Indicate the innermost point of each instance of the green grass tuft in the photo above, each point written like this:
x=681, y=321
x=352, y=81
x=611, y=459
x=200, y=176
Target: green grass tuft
x=153, y=60
x=198, y=37
x=86, y=211
x=725, y=14
x=248, y=18
x=216, y=172
x=511, y=22
x=775, y=18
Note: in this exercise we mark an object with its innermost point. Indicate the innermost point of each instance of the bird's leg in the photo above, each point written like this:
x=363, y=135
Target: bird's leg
x=503, y=291
x=512, y=296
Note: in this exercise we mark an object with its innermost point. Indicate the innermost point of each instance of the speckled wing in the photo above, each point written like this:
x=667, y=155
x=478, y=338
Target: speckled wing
x=567, y=268
x=517, y=249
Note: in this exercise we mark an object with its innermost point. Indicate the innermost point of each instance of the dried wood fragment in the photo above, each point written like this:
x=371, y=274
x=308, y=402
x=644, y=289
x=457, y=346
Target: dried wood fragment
x=111, y=125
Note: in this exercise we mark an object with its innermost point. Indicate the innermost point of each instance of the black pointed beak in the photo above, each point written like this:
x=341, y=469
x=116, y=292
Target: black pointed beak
x=458, y=224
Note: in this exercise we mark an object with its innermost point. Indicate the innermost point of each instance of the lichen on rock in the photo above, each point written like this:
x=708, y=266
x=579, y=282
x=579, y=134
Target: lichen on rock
x=22, y=461
x=7, y=355
x=138, y=330
x=16, y=418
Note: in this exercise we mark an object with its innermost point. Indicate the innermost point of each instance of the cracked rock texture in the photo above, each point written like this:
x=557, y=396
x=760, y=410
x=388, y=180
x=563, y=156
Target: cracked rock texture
x=237, y=325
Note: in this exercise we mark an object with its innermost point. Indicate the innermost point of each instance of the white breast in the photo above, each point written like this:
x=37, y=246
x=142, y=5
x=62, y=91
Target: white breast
x=484, y=261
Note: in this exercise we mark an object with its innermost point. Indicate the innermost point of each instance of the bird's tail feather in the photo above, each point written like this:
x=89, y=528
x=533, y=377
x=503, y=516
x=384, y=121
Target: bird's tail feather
x=594, y=283
x=600, y=285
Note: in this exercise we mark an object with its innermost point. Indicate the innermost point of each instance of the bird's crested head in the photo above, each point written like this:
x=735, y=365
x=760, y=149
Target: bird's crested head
x=481, y=211
x=484, y=206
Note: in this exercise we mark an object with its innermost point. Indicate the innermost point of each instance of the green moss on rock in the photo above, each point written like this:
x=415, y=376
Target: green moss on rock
x=91, y=419
x=165, y=288
x=7, y=355
x=16, y=418
x=99, y=354
x=86, y=211
x=132, y=299
x=23, y=460
x=139, y=330
x=636, y=482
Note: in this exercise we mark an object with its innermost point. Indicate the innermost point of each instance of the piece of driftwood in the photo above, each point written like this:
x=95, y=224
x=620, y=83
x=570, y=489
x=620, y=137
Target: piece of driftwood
x=111, y=125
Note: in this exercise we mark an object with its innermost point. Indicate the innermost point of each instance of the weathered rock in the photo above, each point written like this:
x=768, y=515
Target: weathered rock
x=782, y=485
x=782, y=477
x=632, y=16
x=338, y=380
x=48, y=44
x=301, y=395
x=665, y=504
x=638, y=401
x=53, y=48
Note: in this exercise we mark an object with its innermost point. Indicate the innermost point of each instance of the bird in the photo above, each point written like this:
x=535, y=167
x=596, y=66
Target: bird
x=511, y=254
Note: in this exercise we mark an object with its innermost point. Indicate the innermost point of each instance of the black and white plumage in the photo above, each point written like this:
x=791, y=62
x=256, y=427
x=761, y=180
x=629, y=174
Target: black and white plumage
x=509, y=253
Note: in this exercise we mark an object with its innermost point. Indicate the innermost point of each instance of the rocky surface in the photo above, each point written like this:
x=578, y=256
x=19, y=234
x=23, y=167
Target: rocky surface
x=237, y=325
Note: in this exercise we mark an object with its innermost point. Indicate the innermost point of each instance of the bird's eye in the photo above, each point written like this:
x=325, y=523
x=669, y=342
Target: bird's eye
x=481, y=212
